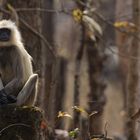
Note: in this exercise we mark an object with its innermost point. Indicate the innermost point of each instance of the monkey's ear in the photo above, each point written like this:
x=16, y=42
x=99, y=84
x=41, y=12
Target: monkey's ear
x=14, y=14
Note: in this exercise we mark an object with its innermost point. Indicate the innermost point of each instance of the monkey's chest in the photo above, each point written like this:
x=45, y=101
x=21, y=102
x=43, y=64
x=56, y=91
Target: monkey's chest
x=6, y=69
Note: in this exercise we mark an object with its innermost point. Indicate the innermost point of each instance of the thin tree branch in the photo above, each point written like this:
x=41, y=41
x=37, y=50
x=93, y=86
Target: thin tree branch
x=39, y=35
x=33, y=31
x=111, y=24
x=105, y=20
x=12, y=125
x=38, y=9
x=119, y=53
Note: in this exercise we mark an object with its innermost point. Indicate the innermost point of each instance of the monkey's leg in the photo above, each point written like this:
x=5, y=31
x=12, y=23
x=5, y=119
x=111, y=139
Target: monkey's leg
x=28, y=93
x=1, y=84
x=3, y=97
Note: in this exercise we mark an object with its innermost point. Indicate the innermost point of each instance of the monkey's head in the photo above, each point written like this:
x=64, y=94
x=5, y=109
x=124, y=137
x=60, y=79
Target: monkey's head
x=9, y=34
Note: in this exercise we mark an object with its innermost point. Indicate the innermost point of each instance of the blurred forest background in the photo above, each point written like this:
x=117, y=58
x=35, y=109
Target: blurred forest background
x=87, y=54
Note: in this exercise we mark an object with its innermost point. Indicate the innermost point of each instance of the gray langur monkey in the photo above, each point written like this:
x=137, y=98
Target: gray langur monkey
x=16, y=73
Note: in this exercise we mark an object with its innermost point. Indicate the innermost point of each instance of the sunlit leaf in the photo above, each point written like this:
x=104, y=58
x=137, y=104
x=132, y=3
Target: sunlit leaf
x=129, y=26
x=91, y=35
x=43, y=125
x=77, y=14
x=121, y=24
x=93, y=113
x=63, y=114
x=74, y=133
x=79, y=109
x=92, y=24
x=24, y=107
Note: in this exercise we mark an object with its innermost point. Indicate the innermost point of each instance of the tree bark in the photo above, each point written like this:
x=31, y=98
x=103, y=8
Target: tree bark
x=48, y=62
x=97, y=85
x=132, y=81
x=23, y=123
x=97, y=97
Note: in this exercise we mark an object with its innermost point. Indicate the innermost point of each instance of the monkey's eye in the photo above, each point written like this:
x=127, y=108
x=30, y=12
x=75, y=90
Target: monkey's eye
x=5, y=34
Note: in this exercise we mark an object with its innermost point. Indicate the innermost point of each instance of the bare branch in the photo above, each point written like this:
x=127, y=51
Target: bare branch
x=12, y=125
x=33, y=31
x=111, y=24
x=39, y=35
x=38, y=9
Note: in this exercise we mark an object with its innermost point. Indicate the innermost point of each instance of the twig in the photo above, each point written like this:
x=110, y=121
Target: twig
x=105, y=130
x=38, y=9
x=107, y=21
x=62, y=10
x=122, y=55
x=122, y=16
x=119, y=53
x=83, y=4
x=39, y=35
x=111, y=24
x=12, y=125
x=4, y=11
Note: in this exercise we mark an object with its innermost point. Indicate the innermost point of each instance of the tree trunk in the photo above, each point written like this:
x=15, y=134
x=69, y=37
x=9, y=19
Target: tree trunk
x=97, y=97
x=67, y=46
x=95, y=59
x=48, y=62
x=132, y=81
x=23, y=123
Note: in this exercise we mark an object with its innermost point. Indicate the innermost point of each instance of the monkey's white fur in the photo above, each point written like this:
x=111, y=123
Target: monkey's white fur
x=23, y=77
x=16, y=36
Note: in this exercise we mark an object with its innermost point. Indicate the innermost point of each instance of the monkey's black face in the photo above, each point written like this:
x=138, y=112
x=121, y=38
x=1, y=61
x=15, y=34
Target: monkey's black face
x=5, y=34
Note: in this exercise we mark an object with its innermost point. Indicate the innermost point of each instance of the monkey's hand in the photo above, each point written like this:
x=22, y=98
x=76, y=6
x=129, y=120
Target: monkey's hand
x=6, y=99
x=11, y=99
x=3, y=98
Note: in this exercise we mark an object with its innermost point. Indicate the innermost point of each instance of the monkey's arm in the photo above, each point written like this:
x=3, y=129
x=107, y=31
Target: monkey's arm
x=22, y=70
x=26, y=96
x=13, y=86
